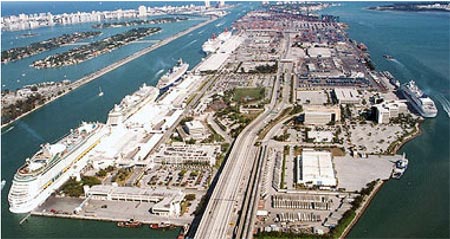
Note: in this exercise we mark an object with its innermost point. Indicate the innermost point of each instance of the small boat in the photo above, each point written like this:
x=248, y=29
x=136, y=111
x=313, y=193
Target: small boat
x=100, y=93
x=130, y=224
x=161, y=225
x=184, y=230
x=400, y=168
x=389, y=57
x=3, y=184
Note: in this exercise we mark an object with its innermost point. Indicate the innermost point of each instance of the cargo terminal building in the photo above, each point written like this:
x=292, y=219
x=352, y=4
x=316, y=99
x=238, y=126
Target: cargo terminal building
x=315, y=168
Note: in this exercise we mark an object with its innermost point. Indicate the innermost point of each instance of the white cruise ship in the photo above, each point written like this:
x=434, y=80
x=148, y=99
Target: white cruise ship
x=214, y=43
x=422, y=103
x=173, y=75
x=51, y=167
x=131, y=104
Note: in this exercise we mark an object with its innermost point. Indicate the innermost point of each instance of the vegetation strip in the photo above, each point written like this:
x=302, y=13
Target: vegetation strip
x=94, y=49
x=18, y=53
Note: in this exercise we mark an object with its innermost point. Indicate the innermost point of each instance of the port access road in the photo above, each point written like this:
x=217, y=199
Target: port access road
x=224, y=206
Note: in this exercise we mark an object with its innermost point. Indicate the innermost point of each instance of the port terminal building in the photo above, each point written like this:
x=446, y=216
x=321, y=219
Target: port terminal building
x=315, y=168
x=166, y=202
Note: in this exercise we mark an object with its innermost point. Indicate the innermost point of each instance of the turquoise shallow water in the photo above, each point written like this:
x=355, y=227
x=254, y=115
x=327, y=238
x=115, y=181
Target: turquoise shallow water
x=415, y=206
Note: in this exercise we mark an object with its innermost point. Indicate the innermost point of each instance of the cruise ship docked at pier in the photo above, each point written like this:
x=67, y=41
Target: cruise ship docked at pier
x=131, y=104
x=51, y=167
x=421, y=102
x=213, y=44
x=173, y=75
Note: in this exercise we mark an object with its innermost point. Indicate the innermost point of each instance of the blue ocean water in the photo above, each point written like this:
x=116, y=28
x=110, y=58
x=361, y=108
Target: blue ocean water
x=22, y=138
x=415, y=206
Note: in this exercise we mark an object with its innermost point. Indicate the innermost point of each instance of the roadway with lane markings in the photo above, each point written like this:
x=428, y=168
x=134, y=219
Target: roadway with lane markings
x=224, y=207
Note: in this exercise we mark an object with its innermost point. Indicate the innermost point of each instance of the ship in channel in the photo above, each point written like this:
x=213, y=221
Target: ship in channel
x=423, y=104
x=173, y=75
x=54, y=164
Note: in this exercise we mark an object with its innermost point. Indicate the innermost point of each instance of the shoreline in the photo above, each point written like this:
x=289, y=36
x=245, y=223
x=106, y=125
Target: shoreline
x=361, y=210
x=95, y=218
x=92, y=76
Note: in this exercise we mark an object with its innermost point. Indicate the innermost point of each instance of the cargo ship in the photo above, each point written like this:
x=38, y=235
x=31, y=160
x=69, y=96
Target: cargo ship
x=173, y=75
x=131, y=104
x=422, y=103
x=51, y=167
x=213, y=44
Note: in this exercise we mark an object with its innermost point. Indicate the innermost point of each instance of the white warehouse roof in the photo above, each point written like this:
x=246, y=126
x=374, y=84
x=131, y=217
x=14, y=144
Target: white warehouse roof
x=315, y=168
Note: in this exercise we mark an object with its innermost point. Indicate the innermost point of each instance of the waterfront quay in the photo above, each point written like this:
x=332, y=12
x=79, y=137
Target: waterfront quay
x=137, y=166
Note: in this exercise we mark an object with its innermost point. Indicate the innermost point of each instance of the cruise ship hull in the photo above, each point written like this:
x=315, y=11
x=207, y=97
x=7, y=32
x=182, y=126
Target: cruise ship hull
x=25, y=195
x=172, y=78
x=419, y=109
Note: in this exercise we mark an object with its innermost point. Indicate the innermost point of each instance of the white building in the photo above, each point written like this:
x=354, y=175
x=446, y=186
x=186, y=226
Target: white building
x=315, y=168
x=320, y=115
x=347, y=96
x=167, y=201
x=179, y=153
x=386, y=111
x=195, y=129
x=142, y=11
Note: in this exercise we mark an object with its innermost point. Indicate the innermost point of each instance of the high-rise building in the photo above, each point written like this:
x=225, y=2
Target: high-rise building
x=221, y=3
x=207, y=4
x=142, y=11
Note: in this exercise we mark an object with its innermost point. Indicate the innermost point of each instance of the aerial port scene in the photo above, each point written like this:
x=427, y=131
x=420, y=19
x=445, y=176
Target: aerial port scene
x=223, y=119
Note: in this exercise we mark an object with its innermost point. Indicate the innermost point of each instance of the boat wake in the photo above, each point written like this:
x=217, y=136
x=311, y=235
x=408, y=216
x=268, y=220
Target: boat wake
x=445, y=103
x=7, y=130
x=200, y=32
x=220, y=24
x=396, y=61
x=30, y=130
x=159, y=72
x=190, y=43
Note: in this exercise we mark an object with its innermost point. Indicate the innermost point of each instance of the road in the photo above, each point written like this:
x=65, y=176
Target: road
x=250, y=205
x=224, y=207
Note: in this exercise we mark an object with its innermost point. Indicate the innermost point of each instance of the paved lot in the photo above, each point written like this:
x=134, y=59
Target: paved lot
x=111, y=210
x=354, y=173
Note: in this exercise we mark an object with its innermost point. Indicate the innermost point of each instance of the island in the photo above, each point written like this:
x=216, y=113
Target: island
x=94, y=49
x=29, y=98
x=18, y=53
x=139, y=22
x=287, y=130
x=415, y=7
